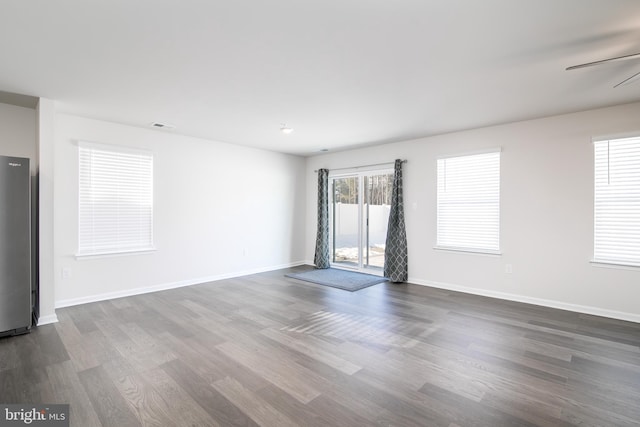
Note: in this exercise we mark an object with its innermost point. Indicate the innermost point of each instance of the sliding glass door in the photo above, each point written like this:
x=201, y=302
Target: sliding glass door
x=360, y=204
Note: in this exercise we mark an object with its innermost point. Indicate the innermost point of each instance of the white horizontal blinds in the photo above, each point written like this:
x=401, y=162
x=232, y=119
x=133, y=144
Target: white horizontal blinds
x=469, y=202
x=617, y=201
x=116, y=201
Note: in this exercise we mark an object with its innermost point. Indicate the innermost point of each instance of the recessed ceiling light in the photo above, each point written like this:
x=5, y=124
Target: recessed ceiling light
x=285, y=129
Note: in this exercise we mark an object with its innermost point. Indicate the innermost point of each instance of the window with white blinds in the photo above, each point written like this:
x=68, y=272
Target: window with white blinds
x=115, y=200
x=617, y=201
x=468, y=207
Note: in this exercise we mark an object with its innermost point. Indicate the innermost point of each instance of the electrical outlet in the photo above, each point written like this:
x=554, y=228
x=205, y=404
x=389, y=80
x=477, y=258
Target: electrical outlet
x=66, y=273
x=508, y=268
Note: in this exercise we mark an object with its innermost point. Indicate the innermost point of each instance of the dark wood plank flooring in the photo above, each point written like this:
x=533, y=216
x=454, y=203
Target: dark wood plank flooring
x=265, y=350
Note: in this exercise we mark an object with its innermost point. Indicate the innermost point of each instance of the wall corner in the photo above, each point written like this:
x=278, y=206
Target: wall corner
x=45, y=153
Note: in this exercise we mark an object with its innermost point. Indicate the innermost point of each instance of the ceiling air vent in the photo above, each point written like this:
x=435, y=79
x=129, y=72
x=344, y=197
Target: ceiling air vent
x=158, y=125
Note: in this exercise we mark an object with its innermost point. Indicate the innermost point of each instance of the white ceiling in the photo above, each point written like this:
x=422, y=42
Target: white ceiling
x=342, y=73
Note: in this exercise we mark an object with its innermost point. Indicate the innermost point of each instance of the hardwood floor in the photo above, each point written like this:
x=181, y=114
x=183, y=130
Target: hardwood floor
x=265, y=350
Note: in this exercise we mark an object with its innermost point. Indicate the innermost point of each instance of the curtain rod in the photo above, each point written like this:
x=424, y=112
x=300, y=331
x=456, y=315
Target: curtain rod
x=362, y=166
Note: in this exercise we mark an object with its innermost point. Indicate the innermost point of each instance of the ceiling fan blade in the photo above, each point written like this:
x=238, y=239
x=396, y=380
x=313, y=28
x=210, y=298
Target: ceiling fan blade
x=604, y=61
x=629, y=80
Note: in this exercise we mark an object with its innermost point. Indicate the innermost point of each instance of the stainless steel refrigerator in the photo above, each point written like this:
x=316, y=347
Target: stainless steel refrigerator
x=15, y=246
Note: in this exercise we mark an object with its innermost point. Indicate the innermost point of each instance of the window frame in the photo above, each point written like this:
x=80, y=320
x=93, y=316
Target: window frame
x=600, y=205
x=87, y=250
x=485, y=251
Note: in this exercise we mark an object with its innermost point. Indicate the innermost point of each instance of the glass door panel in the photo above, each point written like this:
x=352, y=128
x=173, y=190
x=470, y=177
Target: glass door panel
x=377, y=201
x=346, y=221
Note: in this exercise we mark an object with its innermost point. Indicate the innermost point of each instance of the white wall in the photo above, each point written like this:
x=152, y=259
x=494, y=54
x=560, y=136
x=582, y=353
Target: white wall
x=546, y=212
x=220, y=210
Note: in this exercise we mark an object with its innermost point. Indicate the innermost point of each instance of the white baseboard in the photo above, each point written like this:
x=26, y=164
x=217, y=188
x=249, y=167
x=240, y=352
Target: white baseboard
x=631, y=317
x=165, y=286
x=620, y=315
x=45, y=320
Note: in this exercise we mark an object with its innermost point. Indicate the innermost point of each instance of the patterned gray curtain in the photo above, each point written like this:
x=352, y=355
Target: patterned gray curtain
x=395, y=253
x=322, y=256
